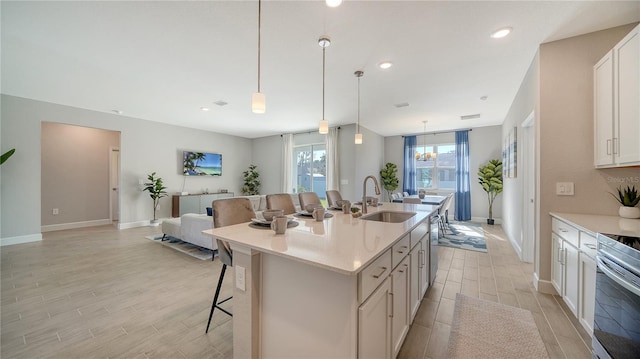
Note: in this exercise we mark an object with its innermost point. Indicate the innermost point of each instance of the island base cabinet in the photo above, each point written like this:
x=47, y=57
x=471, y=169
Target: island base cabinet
x=414, y=281
x=557, y=263
x=570, y=281
x=587, y=292
x=374, y=324
x=399, y=303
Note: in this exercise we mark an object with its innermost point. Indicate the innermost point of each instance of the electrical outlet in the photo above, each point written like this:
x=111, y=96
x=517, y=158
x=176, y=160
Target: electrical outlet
x=55, y=211
x=240, y=283
x=564, y=189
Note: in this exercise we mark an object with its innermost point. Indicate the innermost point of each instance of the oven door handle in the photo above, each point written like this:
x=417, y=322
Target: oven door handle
x=618, y=278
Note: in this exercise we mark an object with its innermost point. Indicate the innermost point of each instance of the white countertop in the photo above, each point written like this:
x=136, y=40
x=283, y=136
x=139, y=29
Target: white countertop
x=602, y=224
x=341, y=243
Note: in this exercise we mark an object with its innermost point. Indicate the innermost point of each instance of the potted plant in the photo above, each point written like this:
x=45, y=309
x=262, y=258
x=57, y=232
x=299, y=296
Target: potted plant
x=156, y=191
x=251, y=181
x=389, y=176
x=629, y=199
x=5, y=156
x=490, y=178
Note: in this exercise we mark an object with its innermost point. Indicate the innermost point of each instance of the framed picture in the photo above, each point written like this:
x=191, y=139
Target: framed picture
x=512, y=159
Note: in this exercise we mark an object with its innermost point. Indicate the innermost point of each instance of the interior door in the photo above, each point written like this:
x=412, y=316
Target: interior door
x=528, y=193
x=114, y=184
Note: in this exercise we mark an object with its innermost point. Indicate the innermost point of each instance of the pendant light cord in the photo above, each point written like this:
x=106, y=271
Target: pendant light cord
x=358, y=127
x=259, y=27
x=323, y=60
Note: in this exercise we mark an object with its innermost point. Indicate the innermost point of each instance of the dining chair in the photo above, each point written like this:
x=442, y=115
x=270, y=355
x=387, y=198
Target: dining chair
x=281, y=201
x=405, y=194
x=443, y=217
x=307, y=198
x=412, y=200
x=333, y=197
x=227, y=212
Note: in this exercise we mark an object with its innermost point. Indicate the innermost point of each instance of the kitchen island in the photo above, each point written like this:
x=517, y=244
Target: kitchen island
x=341, y=288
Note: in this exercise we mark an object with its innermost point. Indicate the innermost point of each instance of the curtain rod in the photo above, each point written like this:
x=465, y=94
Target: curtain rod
x=439, y=133
x=304, y=132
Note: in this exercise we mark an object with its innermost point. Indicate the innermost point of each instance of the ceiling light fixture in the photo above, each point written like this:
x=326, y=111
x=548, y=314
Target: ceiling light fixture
x=498, y=34
x=385, y=65
x=333, y=3
x=358, y=138
x=425, y=156
x=324, y=42
x=258, y=100
x=205, y=109
x=117, y=112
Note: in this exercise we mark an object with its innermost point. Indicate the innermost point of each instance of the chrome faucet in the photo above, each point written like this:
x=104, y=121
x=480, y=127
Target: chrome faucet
x=364, y=192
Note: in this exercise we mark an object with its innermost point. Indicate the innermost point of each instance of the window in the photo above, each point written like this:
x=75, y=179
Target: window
x=443, y=166
x=310, y=169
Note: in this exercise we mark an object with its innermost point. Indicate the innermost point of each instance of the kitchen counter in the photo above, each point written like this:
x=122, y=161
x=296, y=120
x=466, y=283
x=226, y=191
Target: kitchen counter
x=323, y=289
x=342, y=243
x=602, y=224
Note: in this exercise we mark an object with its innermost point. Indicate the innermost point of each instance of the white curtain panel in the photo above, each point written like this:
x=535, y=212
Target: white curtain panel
x=287, y=163
x=333, y=177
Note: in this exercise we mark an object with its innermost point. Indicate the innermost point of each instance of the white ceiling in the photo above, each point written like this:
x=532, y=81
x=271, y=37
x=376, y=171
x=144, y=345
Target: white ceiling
x=163, y=61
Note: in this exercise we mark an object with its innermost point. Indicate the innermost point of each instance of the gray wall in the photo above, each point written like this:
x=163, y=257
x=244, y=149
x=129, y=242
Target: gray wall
x=484, y=144
x=267, y=155
x=145, y=147
x=75, y=173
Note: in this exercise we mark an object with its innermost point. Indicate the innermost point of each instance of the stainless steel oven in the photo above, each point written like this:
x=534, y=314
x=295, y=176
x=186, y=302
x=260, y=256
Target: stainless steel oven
x=616, y=326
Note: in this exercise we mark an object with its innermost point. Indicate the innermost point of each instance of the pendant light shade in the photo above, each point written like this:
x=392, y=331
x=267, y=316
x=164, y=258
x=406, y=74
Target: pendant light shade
x=333, y=3
x=358, y=138
x=258, y=100
x=323, y=128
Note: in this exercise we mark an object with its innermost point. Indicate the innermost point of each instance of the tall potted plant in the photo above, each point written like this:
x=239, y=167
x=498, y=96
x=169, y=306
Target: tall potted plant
x=629, y=199
x=389, y=176
x=490, y=178
x=251, y=179
x=156, y=191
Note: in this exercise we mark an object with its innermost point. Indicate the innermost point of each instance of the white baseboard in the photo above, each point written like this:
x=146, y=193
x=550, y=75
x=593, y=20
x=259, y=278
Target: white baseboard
x=484, y=220
x=543, y=286
x=7, y=241
x=517, y=247
x=73, y=225
x=133, y=224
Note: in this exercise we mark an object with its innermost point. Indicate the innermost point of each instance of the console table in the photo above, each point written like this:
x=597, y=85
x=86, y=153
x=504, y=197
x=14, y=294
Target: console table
x=194, y=203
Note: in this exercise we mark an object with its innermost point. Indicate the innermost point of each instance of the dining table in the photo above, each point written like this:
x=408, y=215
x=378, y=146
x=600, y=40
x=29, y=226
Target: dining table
x=432, y=200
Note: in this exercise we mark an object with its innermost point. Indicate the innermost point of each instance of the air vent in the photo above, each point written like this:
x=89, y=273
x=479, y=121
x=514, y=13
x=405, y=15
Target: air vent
x=470, y=117
x=404, y=104
x=220, y=103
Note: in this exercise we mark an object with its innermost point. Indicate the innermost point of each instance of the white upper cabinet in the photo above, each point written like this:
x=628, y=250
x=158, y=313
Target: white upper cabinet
x=617, y=104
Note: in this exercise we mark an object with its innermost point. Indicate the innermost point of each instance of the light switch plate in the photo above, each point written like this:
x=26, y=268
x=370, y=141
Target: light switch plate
x=344, y=181
x=240, y=283
x=564, y=189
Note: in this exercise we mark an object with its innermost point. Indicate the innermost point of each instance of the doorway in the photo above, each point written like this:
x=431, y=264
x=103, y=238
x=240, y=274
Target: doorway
x=114, y=185
x=528, y=193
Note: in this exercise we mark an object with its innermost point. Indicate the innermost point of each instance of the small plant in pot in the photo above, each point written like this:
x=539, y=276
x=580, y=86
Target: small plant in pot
x=156, y=191
x=629, y=199
x=490, y=178
x=389, y=176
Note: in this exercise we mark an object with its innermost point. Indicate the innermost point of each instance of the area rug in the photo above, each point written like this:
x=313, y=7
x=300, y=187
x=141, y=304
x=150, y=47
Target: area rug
x=464, y=235
x=485, y=329
x=184, y=247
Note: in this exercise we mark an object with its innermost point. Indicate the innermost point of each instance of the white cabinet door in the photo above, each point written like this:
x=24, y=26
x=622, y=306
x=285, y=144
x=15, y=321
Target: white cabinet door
x=424, y=269
x=400, y=302
x=587, y=292
x=603, y=110
x=374, y=324
x=415, y=297
x=557, y=268
x=626, y=55
x=570, y=280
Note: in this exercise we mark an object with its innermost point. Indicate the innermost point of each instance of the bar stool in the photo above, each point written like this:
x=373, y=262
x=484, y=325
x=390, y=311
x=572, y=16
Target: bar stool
x=281, y=201
x=307, y=198
x=227, y=212
x=333, y=197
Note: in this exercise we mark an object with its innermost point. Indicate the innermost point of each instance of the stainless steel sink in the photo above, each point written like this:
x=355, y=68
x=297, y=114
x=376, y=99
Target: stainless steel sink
x=389, y=216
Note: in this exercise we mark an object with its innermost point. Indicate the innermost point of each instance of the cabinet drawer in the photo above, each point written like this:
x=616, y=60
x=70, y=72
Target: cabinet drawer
x=588, y=244
x=399, y=251
x=419, y=232
x=372, y=276
x=567, y=232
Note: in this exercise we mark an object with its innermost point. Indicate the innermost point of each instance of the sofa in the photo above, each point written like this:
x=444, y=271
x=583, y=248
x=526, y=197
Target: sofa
x=189, y=226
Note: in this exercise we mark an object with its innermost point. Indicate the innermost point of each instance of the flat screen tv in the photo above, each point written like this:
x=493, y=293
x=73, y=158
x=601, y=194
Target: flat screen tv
x=201, y=164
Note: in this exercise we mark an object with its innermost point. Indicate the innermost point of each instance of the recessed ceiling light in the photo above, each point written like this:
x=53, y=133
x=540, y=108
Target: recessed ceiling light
x=484, y=98
x=117, y=112
x=501, y=33
x=333, y=3
x=385, y=65
x=205, y=109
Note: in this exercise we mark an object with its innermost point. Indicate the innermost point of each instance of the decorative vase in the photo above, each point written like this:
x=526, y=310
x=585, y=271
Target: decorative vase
x=421, y=194
x=629, y=212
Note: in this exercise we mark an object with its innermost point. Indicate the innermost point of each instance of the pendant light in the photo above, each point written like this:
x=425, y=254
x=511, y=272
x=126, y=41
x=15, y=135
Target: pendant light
x=425, y=156
x=324, y=42
x=258, y=100
x=358, y=138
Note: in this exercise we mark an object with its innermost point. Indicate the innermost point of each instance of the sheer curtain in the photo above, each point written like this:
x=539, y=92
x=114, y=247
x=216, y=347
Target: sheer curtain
x=409, y=174
x=333, y=175
x=463, y=185
x=287, y=163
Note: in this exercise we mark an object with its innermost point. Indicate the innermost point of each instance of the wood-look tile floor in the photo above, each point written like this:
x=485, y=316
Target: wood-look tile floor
x=106, y=293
